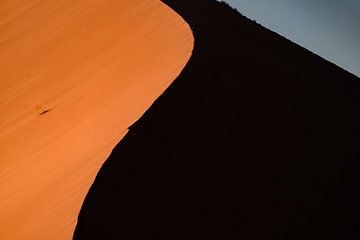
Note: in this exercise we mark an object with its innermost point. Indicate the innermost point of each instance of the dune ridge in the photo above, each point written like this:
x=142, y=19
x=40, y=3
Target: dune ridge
x=256, y=139
x=74, y=76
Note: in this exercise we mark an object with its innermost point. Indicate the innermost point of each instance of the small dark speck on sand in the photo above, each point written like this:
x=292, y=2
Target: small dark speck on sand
x=43, y=112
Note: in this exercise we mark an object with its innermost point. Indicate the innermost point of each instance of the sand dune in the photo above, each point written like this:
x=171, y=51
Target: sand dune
x=73, y=76
x=257, y=138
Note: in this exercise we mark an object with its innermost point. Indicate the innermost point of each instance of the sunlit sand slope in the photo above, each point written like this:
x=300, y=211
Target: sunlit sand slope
x=73, y=76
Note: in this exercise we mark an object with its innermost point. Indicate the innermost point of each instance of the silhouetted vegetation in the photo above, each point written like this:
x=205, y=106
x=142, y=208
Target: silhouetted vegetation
x=227, y=5
x=231, y=7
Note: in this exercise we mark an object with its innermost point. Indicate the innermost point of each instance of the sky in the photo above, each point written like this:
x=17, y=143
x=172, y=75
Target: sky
x=329, y=28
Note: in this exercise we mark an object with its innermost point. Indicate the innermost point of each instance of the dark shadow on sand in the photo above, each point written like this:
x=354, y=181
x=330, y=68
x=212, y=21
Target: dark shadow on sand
x=257, y=139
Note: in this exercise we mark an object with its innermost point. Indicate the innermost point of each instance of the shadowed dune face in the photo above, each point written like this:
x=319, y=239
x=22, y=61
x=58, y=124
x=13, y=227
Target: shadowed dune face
x=74, y=75
x=256, y=139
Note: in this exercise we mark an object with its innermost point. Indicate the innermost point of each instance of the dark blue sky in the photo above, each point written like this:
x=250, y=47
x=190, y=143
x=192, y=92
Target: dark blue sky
x=330, y=28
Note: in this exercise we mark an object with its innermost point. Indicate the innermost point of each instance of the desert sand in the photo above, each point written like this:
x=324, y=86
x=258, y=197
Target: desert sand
x=257, y=138
x=74, y=75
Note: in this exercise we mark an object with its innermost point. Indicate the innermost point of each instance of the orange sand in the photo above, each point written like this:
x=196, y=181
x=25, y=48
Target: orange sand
x=92, y=67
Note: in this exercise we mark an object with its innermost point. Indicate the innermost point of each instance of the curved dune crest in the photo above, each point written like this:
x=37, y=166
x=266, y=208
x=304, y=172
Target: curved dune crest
x=256, y=139
x=74, y=75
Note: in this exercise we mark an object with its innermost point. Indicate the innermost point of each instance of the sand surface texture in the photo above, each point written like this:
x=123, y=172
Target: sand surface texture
x=74, y=75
